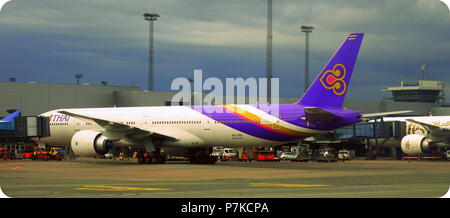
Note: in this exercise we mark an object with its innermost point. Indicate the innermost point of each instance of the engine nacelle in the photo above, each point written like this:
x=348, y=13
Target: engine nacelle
x=416, y=144
x=90, y=143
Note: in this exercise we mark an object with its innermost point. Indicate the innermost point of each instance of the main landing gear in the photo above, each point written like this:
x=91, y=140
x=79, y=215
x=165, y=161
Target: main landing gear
x=196, y=156
x=155, y=157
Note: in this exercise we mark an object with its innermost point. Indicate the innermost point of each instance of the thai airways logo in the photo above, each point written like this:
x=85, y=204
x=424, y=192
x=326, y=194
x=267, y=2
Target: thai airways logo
x=334, y=79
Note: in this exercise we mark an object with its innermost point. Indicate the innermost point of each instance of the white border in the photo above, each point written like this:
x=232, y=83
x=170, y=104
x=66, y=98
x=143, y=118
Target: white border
x=447, y=195
x=2, y=3
x=2, y=195
x=447, y=3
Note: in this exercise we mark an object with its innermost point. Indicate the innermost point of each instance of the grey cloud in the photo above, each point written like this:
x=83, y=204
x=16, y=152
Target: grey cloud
x=226, y=37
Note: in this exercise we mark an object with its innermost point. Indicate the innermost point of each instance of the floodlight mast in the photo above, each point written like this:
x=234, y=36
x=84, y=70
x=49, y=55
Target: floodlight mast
x=150, y=18
x=269, y=73
x=307, y=30
x=78, y=76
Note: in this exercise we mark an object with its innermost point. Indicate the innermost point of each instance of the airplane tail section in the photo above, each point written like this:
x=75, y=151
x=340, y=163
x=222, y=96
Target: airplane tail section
x=331, y=85
x=10, y=117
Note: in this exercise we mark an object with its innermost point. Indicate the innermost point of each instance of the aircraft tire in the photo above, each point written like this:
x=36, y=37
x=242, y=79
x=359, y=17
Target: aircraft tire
x=203, y=160
x=141, y=160
x=160, y=160
x=150, y=160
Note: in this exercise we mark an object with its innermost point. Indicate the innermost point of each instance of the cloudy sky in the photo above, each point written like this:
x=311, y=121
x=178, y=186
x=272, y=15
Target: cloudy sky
x=48, y=41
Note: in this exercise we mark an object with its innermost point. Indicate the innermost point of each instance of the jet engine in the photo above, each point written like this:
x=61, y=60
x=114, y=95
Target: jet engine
x=90, y=143
x=416, y=144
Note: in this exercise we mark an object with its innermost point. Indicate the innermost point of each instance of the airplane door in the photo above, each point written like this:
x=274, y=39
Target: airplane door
x=206, y=125
x=145, y=122
x=77, y=126
x=207, y=131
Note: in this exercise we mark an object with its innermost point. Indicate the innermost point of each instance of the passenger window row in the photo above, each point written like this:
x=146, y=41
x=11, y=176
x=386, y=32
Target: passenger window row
x=176, y=122
x=233, y=121
x=59, y=124
x=127, y=123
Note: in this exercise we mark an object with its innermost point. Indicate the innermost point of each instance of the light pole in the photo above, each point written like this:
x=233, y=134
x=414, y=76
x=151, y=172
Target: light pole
x=78, y=77
x=150, y=18
x=307, y=30
x=269, y=73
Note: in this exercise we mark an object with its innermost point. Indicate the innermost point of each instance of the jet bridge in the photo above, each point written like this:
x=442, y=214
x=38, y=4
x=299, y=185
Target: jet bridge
x=16, y=134
x=366, y=138
x=22, y=129
x=371, y=130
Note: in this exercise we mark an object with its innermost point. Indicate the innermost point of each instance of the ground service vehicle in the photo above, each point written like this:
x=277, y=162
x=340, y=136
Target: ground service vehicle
x=56, y=153
x=108, y=155
x=229, y=154
x=244, y=157
x=28, y=152
x=304, y=155
x=325, y=155
x=344, y=155
x=40, y=154
x=4, y=153
x=288, y=155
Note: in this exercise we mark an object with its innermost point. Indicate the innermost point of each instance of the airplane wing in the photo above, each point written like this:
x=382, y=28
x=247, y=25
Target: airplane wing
x=316, y=114
x=382, y=114
x=115, y=130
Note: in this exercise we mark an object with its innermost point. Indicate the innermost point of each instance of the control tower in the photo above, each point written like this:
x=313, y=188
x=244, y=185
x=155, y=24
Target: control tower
x=418, y=91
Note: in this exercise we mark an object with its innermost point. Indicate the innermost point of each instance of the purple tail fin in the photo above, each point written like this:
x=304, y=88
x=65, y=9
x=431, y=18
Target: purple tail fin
x=331, y=85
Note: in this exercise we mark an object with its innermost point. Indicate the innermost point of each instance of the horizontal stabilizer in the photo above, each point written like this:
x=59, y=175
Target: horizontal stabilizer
x=317, y=114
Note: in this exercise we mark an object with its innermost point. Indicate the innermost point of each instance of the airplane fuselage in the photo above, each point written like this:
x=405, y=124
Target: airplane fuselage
x=200, y=126
x=414, y=128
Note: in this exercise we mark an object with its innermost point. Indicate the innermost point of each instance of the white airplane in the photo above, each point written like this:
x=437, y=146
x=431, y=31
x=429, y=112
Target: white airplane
x=192, y=130
x=424, y=134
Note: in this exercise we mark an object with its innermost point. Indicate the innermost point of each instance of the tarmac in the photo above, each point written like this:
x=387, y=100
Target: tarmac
x=95, y=178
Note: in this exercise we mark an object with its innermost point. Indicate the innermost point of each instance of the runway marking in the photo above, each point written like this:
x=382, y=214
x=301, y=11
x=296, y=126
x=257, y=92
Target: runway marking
x=15, y=166
x=119, y=188
x=286, y=185
x=6, y=165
